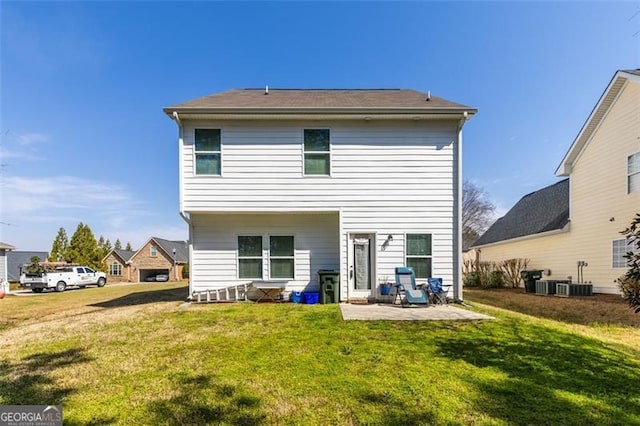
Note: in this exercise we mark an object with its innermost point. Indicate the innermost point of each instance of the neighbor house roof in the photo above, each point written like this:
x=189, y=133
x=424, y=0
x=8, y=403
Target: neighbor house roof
x=182, y=250
x=5, y=246
x=618, y=82
x=319, y=100
x=539, y=212
x=124, y=255
x=15, y=259
x=167, y=246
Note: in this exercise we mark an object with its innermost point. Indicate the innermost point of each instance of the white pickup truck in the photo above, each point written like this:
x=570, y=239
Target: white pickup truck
x=63, y=277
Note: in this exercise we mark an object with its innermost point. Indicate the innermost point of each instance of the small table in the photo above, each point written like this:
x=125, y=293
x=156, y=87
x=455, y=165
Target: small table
x=268, y=288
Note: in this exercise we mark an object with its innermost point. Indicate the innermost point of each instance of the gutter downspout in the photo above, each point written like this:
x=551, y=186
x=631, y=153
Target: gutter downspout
x=186, y=217
x=457, y=294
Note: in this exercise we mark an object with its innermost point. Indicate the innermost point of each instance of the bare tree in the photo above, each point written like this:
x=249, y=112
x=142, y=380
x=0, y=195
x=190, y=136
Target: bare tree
x=477, y=213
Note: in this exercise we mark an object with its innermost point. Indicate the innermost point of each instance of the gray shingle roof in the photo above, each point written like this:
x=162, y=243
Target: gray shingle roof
x=125, y=255
x=541, y=211
x=15, y=259
x=182, y=250
x=319, y=99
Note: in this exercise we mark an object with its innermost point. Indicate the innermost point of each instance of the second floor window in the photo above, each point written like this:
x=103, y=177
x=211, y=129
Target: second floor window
x=633, y=173
x=153, y=252
x=208, y=152
x=317, y=152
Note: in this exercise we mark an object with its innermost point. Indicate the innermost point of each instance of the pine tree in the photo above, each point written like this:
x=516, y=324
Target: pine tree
x=104, y=246
x=60, y=246
x=118, y=245
x=128, y=247
x=83, y=248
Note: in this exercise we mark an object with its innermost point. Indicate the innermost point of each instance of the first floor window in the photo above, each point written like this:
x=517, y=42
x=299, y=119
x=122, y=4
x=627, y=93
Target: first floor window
x=115, y=269
x=633, y=173
x=418, y=254
x=620, y=248
x=281, y=257
x=208, y=151
x=250, y=257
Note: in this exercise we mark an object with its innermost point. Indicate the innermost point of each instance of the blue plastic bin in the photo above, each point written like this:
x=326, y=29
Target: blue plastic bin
x=297, y=297
x=311, y=297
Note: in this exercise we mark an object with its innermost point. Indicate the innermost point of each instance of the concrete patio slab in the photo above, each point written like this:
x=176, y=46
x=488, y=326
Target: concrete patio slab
x=389, y=312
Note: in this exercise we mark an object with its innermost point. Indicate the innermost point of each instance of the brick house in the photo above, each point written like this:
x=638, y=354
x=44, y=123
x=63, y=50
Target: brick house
x=118, y=266
x=159, y=256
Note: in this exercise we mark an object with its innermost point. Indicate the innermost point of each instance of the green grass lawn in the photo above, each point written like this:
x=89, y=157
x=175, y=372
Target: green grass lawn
x=132, y=355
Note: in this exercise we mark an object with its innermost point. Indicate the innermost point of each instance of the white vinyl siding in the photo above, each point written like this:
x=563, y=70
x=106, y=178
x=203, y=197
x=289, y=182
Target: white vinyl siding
x=633, y=173
x=215, y=246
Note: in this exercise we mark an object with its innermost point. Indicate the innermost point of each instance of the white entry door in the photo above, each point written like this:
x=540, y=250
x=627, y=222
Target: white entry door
x=361, y=264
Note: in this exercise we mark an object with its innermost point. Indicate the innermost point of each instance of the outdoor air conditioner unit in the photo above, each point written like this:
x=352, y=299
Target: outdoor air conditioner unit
x=568, y=289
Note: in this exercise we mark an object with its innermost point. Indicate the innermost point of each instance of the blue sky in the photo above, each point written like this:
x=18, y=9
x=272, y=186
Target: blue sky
x=83, y=84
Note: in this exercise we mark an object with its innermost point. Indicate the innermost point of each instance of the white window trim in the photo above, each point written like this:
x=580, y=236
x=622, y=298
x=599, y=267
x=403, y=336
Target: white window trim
x=195, y=152
x=330, y=152
x=261, y=257
x=269, y=257
x=153, y=251
x=406, y=256
x=628, y=248
x=119, y=267
x=629, y=174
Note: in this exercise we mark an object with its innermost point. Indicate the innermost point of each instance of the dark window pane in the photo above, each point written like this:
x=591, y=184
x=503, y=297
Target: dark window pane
x=418, y=245
x=421, y=266
x=207, y=164
x=316, y=164
x=316, y=139
x=250, y=268
x=250, y=246
x=207, y=139
x=282, y=268
x=281, y=246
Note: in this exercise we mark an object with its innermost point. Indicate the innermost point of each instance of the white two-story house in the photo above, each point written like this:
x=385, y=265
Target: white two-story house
x=279, y=184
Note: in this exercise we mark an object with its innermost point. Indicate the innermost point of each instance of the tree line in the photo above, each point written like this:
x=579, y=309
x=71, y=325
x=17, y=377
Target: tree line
x=82, y=248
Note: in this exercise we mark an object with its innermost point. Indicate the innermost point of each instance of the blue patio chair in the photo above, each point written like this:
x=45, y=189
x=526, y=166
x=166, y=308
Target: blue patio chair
x=406, y=283
x=436, y=291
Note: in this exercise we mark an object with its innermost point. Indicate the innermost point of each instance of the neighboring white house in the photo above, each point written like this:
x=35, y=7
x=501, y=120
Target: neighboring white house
x=572, y=228
x=278, y=184
x=4, y=279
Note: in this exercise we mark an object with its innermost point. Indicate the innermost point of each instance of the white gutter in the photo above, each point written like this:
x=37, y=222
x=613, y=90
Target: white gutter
x=183, y=215
x=457, y=289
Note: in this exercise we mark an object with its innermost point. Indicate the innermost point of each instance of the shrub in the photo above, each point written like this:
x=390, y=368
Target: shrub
x=471, y=279
x=629, y=283
x=495, y=279
x=512, y=269
x=630, y=289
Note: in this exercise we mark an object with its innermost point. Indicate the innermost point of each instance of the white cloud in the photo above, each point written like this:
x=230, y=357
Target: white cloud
x=37, y=207
x=23, y=146
x=62, y=193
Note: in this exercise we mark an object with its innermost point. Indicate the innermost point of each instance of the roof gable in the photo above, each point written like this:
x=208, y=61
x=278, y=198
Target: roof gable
x=606, y=101
x=541, y=211
x=167, y=246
